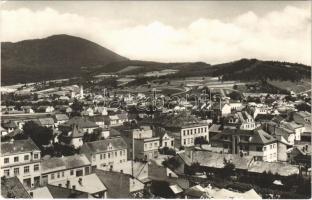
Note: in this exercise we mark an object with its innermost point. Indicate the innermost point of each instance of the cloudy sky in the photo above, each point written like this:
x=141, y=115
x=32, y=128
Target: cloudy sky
x=213, y=32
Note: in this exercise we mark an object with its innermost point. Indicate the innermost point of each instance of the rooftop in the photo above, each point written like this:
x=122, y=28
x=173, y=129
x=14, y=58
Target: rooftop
x=13, y=188
x=68, y=162
x=103, y=145
x=90, y=184
x=17, y=147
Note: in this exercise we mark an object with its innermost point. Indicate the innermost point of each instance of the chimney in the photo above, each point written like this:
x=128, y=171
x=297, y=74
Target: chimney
x=74, y=187
x=31, y=194
x=170, y=175
x=121, y=171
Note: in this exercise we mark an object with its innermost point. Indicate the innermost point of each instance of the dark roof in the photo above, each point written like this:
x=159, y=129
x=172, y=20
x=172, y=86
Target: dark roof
x=18, y=146
x=118, y=184
x=9, y=124
x=81, y=122
x=63, y=193
x=102, y=145
x=67, y=162
x=13, y=188
x=257, y=136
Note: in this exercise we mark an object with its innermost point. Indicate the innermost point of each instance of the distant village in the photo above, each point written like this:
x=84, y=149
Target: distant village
x=201, y=142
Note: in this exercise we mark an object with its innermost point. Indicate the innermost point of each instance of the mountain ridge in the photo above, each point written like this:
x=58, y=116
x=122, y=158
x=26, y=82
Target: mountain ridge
x=63, y=56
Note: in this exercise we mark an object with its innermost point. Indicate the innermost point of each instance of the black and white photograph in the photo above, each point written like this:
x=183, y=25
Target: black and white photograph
x=156, y=99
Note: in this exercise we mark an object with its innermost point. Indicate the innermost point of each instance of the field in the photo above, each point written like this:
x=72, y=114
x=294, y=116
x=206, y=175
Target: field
x=300, y=86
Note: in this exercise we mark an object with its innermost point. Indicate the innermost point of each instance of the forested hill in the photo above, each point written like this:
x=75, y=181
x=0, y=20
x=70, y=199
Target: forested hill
x=253, y=69
x=58, y=56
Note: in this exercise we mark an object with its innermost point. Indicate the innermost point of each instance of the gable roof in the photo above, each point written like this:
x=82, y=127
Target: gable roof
x=281, y=168
x=60, y=192
x=90, y=184
x=13, y=188
x=18, y=146
x=102, y=145
x=46, y=121
x=67, y=162
x=82, y=122
x=118, y=184
x=216, y=160
x=61, y=117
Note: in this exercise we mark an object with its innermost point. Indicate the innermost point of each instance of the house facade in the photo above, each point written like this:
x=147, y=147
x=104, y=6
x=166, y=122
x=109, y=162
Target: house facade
x=21, y=158
x=105, y=154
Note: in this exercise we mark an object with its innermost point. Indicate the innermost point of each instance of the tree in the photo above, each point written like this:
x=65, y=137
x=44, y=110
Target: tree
x=303, y=107
x=167, y=151
x=195, y=167
x=228, y=169
x=39, y=134
x=77, y=107
x=235, y=95
x=200, y=140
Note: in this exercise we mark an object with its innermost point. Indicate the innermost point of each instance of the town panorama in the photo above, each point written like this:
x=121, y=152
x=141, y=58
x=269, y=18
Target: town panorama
x=178, y=101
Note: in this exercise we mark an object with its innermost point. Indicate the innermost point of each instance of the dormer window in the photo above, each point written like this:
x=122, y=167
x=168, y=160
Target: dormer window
x=110, y=147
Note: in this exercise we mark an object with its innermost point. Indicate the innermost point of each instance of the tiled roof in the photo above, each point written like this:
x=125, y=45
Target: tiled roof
x=10, y=124
x=90, y=184
x=281, y=168
x=102, y=145
x=61, y=117
x=64, y=193
x=18, y=146
x=118, y=184
x=216, y=160
x=81, y=122
x=67, y=162
x=46, y=121
x=13, y=188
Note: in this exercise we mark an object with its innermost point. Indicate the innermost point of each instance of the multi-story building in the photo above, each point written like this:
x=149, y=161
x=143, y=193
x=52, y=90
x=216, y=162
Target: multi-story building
x=146, y=148
x=302, y=117
x=243, y=120
x=256, y=143
x=21, y=158
x=62, y=168
x=187, y=134
x=105, y=154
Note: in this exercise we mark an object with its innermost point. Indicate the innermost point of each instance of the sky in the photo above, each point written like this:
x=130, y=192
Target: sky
x=171, y=31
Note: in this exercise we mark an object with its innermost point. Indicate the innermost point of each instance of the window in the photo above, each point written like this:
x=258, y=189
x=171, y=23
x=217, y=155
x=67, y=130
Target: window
x=264, y=148
x=63, y=174
x=191, y=131
x=6, y=160
x=188, y=132
x=101, y=157
x=205, y=129
x=26, y=157
x=16, y=171
x=145, y=145
x=58, y=174
x=36, y=167
x=184, y=132
x=151, y=144
x=120, y=153
x=155, y=144
x=124, y=152
x=6, y=172
x=108, y=155
x=36, y=156
x=271, y=146
x=104, y=155
x=195, y=131
x=52, y=176
x=184, y=142
x=201, y=130
x=26, y=169
x=116, y=154
x=71, y=172
x=258, y=148
x=16, y=159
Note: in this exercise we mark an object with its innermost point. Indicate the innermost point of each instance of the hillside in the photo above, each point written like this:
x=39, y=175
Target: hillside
x=253, y=69
x=64, y=56
x=58, y=56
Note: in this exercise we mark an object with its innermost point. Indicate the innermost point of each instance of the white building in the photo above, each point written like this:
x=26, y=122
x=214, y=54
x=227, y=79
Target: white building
x=21, y=158
x=105, y=154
